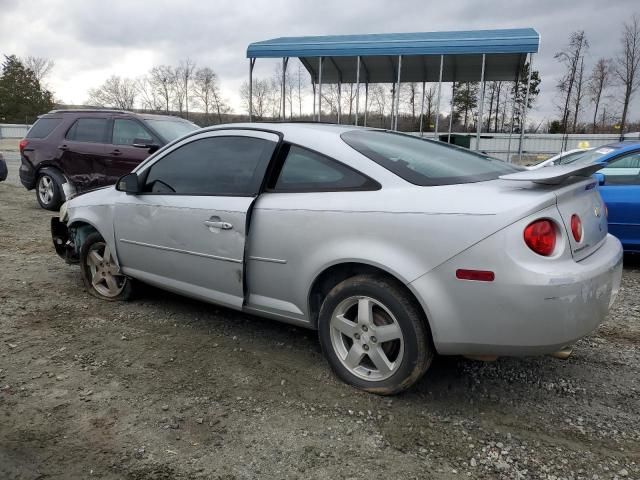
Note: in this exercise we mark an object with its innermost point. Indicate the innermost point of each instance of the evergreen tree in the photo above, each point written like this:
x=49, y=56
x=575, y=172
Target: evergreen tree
x=520, y=95
x=22, y=98
x=465, y=101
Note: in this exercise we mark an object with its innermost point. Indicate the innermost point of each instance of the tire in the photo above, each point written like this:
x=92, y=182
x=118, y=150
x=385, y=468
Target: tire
x=49, y=190
x=383, y=350
x=99, y=271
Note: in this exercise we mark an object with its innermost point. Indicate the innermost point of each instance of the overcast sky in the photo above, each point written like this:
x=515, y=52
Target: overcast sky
x=90, y=40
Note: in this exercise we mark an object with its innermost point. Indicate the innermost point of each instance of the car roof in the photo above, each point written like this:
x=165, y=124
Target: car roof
x=110, y=111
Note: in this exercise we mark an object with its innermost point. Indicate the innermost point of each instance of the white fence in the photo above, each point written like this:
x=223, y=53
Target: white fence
x=542, y=145
x=13, y=130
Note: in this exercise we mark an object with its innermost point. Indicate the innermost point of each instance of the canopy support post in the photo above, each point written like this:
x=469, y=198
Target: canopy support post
x=435, y=131
x=395, y=124
x=481, y=104
x=319, y=89
x=523, y=121
x=313, y=86
x=252, y=62
x=422, y=112
x=339, y=99
x=285, y=61
x=357, y=87
x=366, y=101
x=513, y=116
x=453, y=96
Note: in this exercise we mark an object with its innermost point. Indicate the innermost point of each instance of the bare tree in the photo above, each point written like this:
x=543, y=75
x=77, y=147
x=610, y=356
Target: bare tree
x=598, y=82
x=260, y=96
x=410, y=98
x=379, y=99
x=571, y=57
x=147, y=94
x=161, y=78
x=183, y=76
x=429, y=99
x=40, y=66
x=579, y=94
x=207, y=93
x=627, y=63
x=115, y=92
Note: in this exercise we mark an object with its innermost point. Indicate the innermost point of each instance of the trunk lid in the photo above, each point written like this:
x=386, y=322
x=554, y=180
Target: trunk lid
x=583, y=199
x=576, y=195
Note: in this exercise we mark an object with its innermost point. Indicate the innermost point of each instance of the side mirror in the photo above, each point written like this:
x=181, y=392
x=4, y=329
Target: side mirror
x=141, y=143
x=130, y=184
x=600, y=178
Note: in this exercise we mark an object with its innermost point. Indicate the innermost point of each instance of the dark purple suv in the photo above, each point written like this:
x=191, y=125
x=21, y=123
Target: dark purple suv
x=71, y=151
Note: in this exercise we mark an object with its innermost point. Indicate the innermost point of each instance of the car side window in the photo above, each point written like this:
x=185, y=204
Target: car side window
x=128, y=132
x=92, y=130
x=306, y=171
x=231, y=165
x=623, y=171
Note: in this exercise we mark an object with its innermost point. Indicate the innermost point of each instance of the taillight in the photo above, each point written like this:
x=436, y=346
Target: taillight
x=606, y=210
x=576, y=227
x=540, y=236
x=23, y=144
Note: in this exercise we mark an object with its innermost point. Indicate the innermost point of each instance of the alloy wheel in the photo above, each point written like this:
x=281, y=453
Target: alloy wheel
x=367, y=338
x=105, y=277
x=45, y=189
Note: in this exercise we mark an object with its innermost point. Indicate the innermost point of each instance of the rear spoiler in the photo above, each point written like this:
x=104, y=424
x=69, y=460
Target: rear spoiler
x=554, y=175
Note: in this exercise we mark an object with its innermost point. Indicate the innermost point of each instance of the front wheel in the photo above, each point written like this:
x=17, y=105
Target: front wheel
x=100, y=274
x=374, y=335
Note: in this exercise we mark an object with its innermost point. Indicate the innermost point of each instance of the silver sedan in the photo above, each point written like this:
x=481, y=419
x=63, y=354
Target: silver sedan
x=393, y=247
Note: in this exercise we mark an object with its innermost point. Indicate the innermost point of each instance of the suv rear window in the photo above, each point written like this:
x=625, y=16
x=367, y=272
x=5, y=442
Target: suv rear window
x=43, y=127
x=425, y=162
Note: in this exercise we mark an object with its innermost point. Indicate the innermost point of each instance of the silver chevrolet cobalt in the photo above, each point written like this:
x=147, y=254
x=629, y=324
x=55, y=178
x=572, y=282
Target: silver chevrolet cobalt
x=393, y=247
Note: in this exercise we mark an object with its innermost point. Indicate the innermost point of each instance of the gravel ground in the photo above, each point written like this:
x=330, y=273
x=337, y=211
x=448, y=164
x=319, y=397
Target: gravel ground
x=168, y=388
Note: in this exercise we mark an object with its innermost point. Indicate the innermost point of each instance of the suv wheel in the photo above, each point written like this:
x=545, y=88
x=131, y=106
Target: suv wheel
x=49, y=191
x=374, y=335
x=100, y=274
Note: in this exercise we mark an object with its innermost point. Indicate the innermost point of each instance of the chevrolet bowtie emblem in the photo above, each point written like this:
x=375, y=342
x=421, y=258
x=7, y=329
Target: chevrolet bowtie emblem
x=596, y=211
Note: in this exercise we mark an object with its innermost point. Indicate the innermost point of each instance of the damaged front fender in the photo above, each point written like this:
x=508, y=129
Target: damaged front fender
x=62, y=242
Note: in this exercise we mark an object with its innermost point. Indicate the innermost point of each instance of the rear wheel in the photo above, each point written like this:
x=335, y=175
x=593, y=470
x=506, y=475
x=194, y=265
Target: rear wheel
x=374, y=335
x=100, y=274
x=49, y=191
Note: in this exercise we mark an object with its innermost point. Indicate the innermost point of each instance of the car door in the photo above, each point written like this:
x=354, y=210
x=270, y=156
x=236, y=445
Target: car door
x=621, y=194
x=187, y=230
x=83, y=153
x=123, y=157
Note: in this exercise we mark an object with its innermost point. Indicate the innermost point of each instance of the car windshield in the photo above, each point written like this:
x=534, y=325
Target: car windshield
x=171, y=129
x=592, y=156
x=425, y=162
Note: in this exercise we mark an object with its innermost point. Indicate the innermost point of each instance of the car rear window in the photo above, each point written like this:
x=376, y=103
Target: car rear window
x=425, y=162
x=171, y=129
x=43, y=127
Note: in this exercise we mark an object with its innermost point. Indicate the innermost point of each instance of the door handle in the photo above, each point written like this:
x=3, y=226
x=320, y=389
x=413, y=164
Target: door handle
x=115, y=152
x=220, y=225
x=63, y=147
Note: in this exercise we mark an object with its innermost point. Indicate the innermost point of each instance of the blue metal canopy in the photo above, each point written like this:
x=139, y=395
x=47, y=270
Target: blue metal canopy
x=505, y=52
x=514, y=40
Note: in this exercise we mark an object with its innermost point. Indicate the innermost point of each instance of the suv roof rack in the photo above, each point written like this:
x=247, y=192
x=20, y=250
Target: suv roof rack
x=88, y=110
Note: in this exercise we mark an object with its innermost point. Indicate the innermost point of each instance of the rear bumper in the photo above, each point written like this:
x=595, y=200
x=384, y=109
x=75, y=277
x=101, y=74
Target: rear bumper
x=27, y=174
x=527, y=310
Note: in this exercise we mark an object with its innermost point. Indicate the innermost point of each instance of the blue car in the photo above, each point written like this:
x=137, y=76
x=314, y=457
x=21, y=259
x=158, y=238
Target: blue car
x=619, y=185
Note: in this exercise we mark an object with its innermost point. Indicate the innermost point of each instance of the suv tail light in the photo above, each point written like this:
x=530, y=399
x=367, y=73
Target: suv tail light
x=23, y=144
x=576, y=227
x=540, y=236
